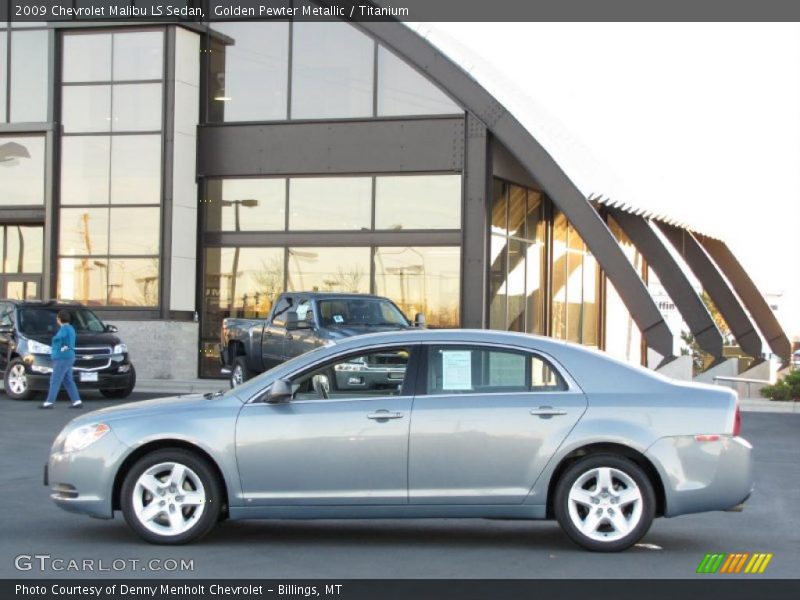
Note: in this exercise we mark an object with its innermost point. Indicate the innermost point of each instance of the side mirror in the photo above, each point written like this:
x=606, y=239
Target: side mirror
x=112, y=328
x=280, y=391
x=419, y=320
x=293, y=323
x=310, y=319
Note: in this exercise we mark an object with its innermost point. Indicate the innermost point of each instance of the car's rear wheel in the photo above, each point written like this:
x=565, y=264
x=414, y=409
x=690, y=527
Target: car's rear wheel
x=122, y=392
x=605, y=503
x=15, y=382
x=171, y=496
x=241, y=372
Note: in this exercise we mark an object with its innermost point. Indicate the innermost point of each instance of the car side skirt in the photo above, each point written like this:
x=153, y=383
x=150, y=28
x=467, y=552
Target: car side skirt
x=402, y=511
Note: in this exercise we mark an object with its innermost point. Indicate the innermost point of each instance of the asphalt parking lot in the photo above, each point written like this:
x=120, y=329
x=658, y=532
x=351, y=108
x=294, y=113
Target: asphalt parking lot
x=31, y=525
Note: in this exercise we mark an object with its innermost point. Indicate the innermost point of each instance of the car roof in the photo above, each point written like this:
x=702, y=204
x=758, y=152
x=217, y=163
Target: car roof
x=43, y=303
x=335, y=295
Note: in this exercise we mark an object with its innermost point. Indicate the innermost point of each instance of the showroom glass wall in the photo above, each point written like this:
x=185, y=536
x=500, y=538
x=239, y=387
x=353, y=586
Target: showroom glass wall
x=24, y=103
x=538, y=260
x=321, y=232
x=112, y=86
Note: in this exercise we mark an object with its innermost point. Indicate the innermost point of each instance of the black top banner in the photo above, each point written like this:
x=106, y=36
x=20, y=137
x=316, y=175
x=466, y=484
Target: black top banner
x=403, y=10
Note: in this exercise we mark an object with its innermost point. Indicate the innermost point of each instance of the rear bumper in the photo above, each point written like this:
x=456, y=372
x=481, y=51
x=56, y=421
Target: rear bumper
x=703, y=476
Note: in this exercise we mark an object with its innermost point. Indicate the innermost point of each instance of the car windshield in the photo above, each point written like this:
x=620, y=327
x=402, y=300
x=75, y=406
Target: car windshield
x=360, y=311
x=42, y=320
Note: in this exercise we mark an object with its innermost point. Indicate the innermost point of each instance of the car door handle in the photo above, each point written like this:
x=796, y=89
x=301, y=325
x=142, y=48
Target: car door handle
x=547, y=411
x=384, y=414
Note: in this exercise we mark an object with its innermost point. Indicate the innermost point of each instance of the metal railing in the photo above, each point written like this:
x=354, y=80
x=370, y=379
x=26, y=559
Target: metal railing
x=735, y=380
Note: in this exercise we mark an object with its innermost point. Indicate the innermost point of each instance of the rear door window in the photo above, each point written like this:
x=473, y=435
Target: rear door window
x=475, y=369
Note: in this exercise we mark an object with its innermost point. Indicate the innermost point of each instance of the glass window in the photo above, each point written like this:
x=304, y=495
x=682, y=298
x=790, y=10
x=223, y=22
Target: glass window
x=423, y=280
x=500, y=207
x=87, y=57
x=281, y=310
x=328, y=203
x=498, y=291
x=24, y=249
x=86, y=108
x=403, y=91
x=559, y=275
x=22, y=290
x=137, y=107
x=29, y=77
x=138, y=55
x=246, y=205
x=21, y=170
x=83, y=279
x=515, y=285
x=328, y=270
x=3, y=75
x=249, y=72
x=517, y=210
x=136, y=169
x=83, y=231
x=534, y=261
x=379, y=374
x=85, y=169
x=332, y=71
x=134, y=231
x=345, y=312
x=133, y=282
x=418, y=202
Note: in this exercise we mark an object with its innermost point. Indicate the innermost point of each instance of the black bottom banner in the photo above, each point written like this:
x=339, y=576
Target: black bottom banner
x=390, y=589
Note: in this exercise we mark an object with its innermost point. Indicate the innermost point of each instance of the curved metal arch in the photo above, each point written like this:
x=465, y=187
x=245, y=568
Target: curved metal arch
x=672, y=277
x=422, y=55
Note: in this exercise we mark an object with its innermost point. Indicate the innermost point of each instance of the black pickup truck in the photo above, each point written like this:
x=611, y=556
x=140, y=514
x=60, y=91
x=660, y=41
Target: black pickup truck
x=302, y=321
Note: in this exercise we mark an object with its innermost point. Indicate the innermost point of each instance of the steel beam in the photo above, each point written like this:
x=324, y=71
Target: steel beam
x=671, y=275
x=716, y=287
x=449, y=77
x=748, y=293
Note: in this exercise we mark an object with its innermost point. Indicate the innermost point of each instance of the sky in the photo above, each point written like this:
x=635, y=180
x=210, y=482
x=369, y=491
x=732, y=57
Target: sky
x=698, y=121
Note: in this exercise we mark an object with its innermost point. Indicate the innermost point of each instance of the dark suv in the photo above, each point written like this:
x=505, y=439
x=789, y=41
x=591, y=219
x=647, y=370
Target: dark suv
x=26, y=329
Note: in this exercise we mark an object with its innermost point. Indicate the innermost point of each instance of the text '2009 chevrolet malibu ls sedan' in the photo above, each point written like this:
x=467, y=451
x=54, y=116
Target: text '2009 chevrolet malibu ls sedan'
x=472, y=424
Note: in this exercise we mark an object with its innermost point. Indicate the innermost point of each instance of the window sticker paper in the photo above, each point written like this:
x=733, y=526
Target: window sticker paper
x=456, y=370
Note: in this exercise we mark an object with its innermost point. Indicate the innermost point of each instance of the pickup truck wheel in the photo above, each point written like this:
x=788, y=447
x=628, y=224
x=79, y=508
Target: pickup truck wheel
x=240, y=372
x=123, y=392
x=16, y=383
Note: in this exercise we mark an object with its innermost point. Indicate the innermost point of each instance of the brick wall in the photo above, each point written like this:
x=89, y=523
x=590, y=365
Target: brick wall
x=161, y=349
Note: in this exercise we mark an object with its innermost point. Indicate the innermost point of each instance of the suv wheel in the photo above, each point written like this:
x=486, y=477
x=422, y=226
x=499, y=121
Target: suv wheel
x=171, y=496
x=605, y=503
x=123, y=392
x=16, y=381
x=240, y=372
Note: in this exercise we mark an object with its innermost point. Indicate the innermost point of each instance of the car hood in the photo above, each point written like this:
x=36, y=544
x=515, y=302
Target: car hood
x=354, y=330
x=157, y=406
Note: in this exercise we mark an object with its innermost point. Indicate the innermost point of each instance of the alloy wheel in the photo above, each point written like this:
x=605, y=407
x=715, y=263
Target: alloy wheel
x=237, y=377
x=605, y=504
x=17, y=380
x=168, y=499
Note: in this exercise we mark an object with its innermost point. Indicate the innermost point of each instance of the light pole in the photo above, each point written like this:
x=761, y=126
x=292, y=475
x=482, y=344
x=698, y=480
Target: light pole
x=247, y=203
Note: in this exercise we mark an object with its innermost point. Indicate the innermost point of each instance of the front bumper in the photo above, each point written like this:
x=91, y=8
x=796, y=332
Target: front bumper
x=700, y=476
x=116, y=376
x=83, y=482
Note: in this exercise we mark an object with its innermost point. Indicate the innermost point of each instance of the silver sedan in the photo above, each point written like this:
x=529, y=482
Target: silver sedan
x=468, y=424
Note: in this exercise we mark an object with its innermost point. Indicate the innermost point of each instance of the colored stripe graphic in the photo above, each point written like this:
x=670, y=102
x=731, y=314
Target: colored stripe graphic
x=715, y=562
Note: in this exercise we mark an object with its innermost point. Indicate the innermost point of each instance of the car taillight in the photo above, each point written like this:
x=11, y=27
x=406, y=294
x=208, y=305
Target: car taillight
x=737, y=422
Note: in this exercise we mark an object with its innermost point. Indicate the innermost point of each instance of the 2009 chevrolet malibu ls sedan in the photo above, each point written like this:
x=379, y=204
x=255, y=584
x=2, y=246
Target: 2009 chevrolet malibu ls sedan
x=468, y=424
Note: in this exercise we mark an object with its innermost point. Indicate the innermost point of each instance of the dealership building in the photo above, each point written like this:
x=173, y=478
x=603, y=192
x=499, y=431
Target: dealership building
x=171, y=175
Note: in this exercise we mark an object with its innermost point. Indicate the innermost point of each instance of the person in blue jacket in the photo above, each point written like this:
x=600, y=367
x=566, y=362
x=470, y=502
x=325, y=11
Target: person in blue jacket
x=62, y=351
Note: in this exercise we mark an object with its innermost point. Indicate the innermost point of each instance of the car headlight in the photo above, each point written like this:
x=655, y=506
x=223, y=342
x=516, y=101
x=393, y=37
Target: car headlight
x=120, y=349
x=85, y=436
x=35, y=347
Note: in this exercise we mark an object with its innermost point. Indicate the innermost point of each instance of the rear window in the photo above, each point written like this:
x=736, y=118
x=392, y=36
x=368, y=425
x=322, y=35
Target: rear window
x=42, y=321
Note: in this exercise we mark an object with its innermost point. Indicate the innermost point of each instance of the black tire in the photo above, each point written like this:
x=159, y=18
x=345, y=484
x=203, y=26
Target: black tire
x=123, y=392
x=561, y=504
x=240, y=371
x=16, y=368
x=212, y=507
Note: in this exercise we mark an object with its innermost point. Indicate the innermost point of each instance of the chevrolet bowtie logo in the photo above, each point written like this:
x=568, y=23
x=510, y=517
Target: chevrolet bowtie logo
x=737, y=562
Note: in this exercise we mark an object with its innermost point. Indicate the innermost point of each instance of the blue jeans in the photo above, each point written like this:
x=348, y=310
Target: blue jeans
x=62, y=373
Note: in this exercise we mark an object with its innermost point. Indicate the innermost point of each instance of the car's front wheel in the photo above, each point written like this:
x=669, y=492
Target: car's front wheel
x=171, y=496
x=605, y=503
x=240, y=372
x=15, y=383
x=120, y=393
